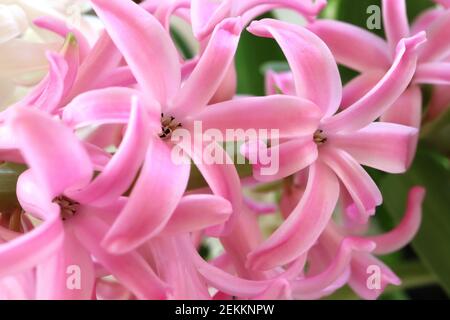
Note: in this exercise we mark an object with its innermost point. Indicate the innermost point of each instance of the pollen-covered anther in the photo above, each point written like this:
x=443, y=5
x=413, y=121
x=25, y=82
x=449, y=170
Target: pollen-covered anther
x=168, y=125
x=68, y=207
x=319, y=137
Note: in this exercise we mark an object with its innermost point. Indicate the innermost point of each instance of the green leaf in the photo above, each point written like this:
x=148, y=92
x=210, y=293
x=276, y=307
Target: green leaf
x=253, y=52
x=9, y=173
x=431, y=243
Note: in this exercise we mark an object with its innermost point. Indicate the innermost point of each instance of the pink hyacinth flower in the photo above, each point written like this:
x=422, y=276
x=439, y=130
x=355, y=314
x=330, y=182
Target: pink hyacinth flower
x=341, y=144
x=171, y=105
x=372, y=56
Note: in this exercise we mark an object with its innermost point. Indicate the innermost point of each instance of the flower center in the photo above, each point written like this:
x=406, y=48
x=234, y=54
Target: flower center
x=68, y=207
x=168, y=125
x=319, y=137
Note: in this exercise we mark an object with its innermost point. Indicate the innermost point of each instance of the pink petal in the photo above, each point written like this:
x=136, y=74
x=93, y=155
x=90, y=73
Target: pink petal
x=196, y=212
x=433, y=73
x=280, y=289
x=118, y=77
x=357, y=181
x=366, y=52
x=252, y=8
x=206, y=14
x=384, y=94
x=63, y=29
x=265, y=113
x=282, y=82
x=166, y=9
x=435, y=48
x=145, y=45
x=56, y=156
x=303, y=226
x=227, y=88
x=384, y=146
x=407, y=110
x=334, y=270
x=313, y=66
x=53, y=274
x=405, y=231
x=210, y=70
x=223, y=180
x=359, y=87
x=130, y=268
x=162, y=180
x=425, y=19
x=106, y=106
x=395, y=19
x=444, y=3
x=176, y=267
x=103, y=57
x=293, y=156
x=39, y=244
x=359, y=275
x=121, y=170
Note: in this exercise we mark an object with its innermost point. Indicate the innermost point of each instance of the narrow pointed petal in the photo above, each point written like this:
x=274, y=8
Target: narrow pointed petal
x=303, y=226
x=52, y=151
x=48, y=95
x=63, y=29
x=197, y=212
x=312, y=284
x=436, y=49
x=120, y=171
x=357, y=181
x=106, y=106
x=145, y=45
x=385, y=146
x=433, y=73
x=103, y=57
x=395, y=21
x=405, y=231
x=66, y=275
x=313, y=66
x=384, y=94
x=165, y=182
x=360, y=278
x=130, y=269
x=265, y=113
x=407, y=110
x=210, y=70
x=367, y=52
x=359, y=87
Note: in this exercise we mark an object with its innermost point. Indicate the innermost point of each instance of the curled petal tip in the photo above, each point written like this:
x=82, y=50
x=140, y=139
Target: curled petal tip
x=414, y=42
x=257, y=28
x=232, y=25
x=417, y=193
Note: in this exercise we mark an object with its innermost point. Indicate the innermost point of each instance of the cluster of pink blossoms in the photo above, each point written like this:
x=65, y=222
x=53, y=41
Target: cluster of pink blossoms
x=105, y=213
